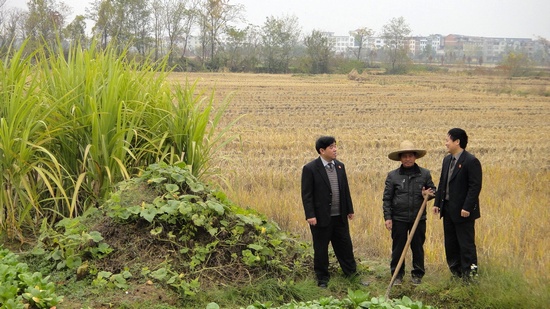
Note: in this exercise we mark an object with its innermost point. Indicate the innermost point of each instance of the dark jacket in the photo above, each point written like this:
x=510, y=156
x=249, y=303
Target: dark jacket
x=464, y=188
x=403, y=193
x=317, y=194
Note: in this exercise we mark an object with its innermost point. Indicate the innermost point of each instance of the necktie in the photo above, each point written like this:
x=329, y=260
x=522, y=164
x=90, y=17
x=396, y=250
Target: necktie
x=330, y=166
x=451, y=167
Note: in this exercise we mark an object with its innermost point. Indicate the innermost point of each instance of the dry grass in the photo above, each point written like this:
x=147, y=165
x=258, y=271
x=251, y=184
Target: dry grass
x=508, y=133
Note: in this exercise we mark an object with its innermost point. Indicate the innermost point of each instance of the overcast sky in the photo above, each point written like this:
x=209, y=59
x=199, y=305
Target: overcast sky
x=488, y=18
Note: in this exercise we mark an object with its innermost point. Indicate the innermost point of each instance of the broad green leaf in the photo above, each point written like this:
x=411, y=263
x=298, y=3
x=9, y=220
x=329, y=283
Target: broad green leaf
x=104, y=274
x=149, y=214
x=159, y=274
x=198, y=220
x=219, y=208
x=134, y=209
x=170, y=207
x=212, y=231
x=157, y=180
x=171, y=187
x=196, y=187
x=185, y=208
x=178, y=177
x=96, y=236
x=250, y=219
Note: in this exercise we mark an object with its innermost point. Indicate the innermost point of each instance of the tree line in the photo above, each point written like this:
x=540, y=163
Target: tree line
x=193, y=34
x=198, y=35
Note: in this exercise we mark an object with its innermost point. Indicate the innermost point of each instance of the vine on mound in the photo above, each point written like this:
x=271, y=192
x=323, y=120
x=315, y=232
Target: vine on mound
x=197, y=236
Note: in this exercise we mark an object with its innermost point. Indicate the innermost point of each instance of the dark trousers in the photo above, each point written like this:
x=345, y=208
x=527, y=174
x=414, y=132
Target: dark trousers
x=460, y=246
x=337, y=233
x=399, y=234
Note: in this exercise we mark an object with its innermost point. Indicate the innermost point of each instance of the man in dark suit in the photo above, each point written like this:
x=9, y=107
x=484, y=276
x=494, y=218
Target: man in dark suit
x=327, y=204
x=457, y=201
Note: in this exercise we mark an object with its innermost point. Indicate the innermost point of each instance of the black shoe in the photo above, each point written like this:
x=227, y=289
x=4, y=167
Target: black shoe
x=322, y=285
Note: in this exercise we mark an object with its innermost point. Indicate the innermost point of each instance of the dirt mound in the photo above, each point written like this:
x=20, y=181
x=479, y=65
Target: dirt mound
x=167, y=221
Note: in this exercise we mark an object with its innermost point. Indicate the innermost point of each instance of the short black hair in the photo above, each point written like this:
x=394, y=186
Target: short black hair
x=457, y=133
x=323, y=142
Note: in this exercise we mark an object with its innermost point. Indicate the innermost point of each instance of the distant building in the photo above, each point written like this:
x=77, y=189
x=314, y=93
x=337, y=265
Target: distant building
x=453, y=47
x=492, y=50
x=340, y=43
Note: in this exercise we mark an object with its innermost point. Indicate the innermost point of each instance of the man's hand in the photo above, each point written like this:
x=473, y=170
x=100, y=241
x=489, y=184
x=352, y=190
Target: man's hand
x=388, y=224
x=464, y=213
x=312, y=221
x=427, y=192
x=436, y=210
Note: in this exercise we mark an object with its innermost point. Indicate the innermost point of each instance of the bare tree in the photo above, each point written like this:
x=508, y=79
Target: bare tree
x=157, y=12
x=216, y=17
x=279, y=36
x=75, y=32
x=252, y=48
x=139, y=23
x=3, y=15
x=319, y=52
x=136, y=18
x=395, y=34
x=45, y=21
x=191, y=16
x=361, y=36
x=127, y=21
x=179, y=18
x=102, y=13
x=11, y=27
x=2, y=9
x=233, y=48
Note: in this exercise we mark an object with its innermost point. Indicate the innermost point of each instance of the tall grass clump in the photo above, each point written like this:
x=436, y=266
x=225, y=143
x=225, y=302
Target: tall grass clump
x=29, y=169
x=73, y=123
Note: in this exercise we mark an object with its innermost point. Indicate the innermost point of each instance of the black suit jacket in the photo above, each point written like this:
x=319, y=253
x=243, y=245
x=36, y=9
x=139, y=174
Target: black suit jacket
x=317, y=194
x=464, y=188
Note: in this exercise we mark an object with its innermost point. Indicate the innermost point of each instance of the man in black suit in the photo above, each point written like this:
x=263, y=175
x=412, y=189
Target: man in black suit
x=457, y=201
x=327, y=204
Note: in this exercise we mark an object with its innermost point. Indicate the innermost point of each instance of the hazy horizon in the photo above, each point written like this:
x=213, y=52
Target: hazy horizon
x=489, y=18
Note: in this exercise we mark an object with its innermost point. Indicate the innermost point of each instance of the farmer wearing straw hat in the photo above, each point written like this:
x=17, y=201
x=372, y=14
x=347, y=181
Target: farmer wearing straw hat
x=404, y=192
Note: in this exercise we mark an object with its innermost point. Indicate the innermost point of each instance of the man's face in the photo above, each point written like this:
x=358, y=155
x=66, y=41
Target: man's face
x=453, y=147
x=329, y=153
x=408, y=158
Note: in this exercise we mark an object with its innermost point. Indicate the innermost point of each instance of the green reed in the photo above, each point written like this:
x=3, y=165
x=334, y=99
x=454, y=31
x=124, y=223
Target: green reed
x=73, y=123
